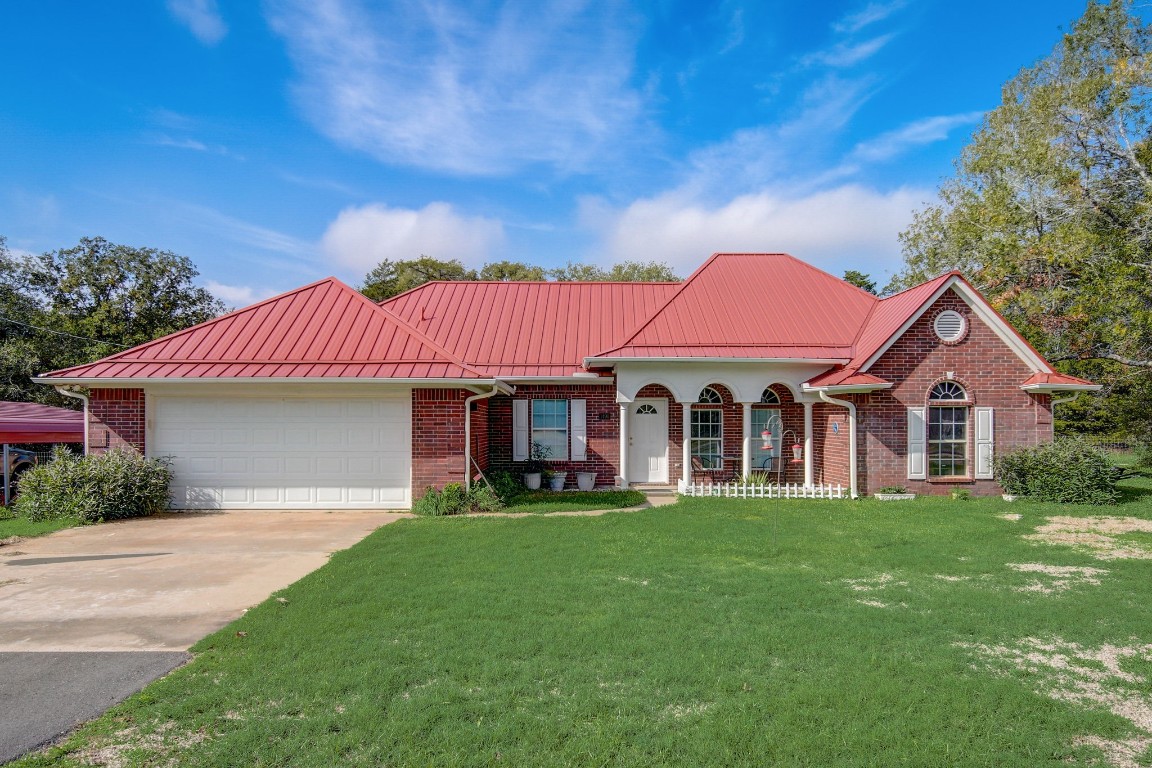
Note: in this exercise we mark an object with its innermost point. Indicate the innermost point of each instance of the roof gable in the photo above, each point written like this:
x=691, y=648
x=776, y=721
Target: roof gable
x=325, y=329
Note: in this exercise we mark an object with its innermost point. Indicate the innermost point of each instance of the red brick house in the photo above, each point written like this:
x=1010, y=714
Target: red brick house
x=755, y=363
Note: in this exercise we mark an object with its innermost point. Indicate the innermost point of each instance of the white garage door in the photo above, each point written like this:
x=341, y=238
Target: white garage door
x=286, y=452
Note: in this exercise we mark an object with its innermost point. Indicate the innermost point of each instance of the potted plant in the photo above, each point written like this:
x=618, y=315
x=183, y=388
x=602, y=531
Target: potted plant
x=556, y=481
x=894, y=493
x=535, y=469
x=586, y=481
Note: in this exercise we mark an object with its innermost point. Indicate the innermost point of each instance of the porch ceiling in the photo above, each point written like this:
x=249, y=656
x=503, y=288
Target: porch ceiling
x=745, y=380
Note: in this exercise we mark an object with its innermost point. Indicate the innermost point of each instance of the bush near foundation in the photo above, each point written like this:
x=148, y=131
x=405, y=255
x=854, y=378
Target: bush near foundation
x=1069, y=470
x=111, y=486
x=454, y=500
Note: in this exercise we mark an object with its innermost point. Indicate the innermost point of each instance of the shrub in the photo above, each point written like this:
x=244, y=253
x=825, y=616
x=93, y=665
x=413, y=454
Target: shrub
x=110, y=486
x=454, y=500
x=506, y=486
x=893, y=489
x=1069, y=470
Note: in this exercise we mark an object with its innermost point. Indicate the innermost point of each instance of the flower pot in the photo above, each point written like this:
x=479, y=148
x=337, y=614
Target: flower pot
x=585, y=481
x=1009, y=496
x=557, y=481
x=895, y=496
x=532, y=480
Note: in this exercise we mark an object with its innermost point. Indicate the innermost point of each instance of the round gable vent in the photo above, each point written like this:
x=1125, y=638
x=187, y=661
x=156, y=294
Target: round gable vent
x=950, y=325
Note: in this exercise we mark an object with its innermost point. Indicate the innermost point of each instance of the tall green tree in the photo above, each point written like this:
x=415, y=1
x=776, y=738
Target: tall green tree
x=624, y=272
x=512, y=271
x=75, y=305
x=861, y=280
x=1050, y=210
x=390, y=278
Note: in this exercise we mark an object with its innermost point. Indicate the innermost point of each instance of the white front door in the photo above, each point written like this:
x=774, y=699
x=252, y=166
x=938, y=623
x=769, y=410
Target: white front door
x=648, y=441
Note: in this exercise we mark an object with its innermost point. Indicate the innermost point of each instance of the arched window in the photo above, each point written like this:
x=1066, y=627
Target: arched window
x=769, y=397
x=948, y=430
x=647, y=410
x=709, y=396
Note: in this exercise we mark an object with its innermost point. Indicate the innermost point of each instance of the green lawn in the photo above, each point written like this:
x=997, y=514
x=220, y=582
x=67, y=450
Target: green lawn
x=712, y=632
x=18, y=526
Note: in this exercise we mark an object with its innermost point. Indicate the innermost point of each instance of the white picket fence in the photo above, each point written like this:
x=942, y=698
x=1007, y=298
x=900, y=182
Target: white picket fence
x=738, y=490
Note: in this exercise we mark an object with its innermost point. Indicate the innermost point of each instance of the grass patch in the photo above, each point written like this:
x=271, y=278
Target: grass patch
x=18, y=526
x=711, y=632
x=572, y=501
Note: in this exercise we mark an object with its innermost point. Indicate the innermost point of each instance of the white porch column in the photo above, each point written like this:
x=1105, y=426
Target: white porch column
x=809, y=474
x=686, y=435
x=622, y=480
x=746, y=451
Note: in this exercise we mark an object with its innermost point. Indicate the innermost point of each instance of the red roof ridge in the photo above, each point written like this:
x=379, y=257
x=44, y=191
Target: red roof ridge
x=683, y=284
x=425, y=338
x=192, y=328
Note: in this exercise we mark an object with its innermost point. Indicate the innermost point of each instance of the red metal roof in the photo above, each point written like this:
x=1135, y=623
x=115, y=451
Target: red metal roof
x=512, y=329
x=736, y=305
x=1057, y=380
x=323, y=330
x=35, y=423
x=768, y=305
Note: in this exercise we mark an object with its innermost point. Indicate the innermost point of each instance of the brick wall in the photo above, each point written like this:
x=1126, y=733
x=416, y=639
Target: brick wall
x=988, y=370
x=115, y=419
x=603, y=422
x=437, y=438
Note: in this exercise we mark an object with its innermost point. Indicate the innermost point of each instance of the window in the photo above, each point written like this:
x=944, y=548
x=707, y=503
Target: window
x=706, y=437
x=947, y=431
x=710, y=397
x=550, y=427
x=766, y=419
x=647, y=410
x=769, y=397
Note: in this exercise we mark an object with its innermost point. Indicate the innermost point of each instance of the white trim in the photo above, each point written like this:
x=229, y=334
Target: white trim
x=1047, y=389
x=846, y=388
x=609, y=362
x=984, y=443
x=521, y=434
x=563, y=380
x=984, y=311
x=578, y=410
x=111, y=383
x=917, y=439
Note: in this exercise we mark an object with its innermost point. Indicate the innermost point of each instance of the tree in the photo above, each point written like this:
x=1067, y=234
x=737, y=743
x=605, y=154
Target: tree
x=624, y=272
x=512, y=271
x=75, y=305
x=1050, y=211
x=860, y=280
x=390, y=278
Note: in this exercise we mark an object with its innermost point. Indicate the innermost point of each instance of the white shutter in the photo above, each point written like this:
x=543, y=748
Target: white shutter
x=520, y=431
x=917, y=435
x=984, y=443
x=579, y=430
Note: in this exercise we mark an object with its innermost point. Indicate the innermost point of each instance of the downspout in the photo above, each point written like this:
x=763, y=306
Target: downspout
x=468, y=433
x=84, y=399
x=1066, y=399
x=851, y=406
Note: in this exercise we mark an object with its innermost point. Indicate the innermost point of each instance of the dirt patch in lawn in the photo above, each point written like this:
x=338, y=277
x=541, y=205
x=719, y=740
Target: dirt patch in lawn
x=1094, y=678
x=1056, y=578
x=164, y=742
x=1096, y=535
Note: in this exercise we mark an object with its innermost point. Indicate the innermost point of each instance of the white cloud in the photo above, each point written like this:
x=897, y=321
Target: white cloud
x=870, y=14
x=850, y=226
x=484, y=92
x=237, y=295
x=363, y=237
x=202, y=18
x=844, y=55
x=925, y=131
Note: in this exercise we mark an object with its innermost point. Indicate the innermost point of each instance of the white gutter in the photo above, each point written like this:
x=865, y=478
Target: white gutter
x=1066, y=399
x=97, y=381
x=851, y=436
x=497, y=387
x=84, y=399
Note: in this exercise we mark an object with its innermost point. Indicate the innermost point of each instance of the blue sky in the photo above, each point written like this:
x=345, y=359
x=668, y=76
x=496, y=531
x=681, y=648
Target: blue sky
x=280, y=142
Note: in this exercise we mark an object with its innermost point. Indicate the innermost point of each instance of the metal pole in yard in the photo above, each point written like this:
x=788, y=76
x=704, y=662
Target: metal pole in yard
x=7, y=477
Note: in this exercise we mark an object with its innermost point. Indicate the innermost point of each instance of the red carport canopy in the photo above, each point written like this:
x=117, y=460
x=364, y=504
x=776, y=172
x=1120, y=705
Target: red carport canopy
x=35, y=423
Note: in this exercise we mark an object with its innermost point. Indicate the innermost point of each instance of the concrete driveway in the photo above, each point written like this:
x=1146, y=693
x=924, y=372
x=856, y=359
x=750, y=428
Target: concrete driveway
x=90, y=615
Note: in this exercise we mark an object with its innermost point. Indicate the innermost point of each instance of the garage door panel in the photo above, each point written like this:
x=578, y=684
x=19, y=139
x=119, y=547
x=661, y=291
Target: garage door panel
x=286, y=452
